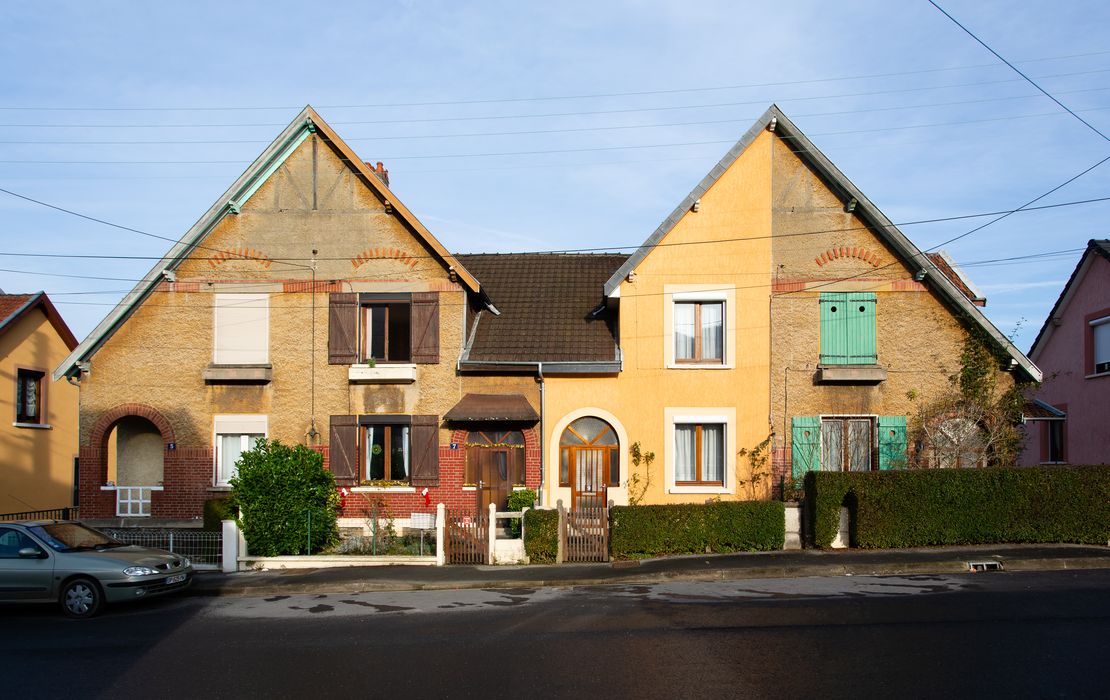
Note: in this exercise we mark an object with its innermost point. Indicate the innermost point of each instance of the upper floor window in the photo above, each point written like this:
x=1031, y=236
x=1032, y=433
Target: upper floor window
x=242, y=332
x=29, y=398
x=383, y=328
x=699, y=331
x=848, y=328
x=1100, y=344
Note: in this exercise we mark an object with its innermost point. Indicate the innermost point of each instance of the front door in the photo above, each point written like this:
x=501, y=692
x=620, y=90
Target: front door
x=591, y=464
x=494, y=464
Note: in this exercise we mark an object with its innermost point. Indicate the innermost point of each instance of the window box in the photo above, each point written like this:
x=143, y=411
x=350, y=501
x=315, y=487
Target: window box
x=238, y=374
x=382, y=374
x=850, y=374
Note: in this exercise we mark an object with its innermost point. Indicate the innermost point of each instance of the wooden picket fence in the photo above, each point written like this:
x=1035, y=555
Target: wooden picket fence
x=584, y=534
x=467, y=539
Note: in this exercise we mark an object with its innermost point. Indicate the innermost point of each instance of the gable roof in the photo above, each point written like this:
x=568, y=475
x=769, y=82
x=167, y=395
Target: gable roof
x=549, y=310
x=773, y=119
x=303, y=125
x=13, y=307
x=1100, y=248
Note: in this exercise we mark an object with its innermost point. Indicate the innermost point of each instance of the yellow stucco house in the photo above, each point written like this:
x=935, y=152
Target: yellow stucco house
x=38, y=433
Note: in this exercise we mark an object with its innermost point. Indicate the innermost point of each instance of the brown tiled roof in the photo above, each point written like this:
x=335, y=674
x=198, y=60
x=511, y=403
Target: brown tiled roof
x=546, y=302
x=15, y=306
x=10, y=303
x=956, y=278
x=493, y=407
x=1039, y=410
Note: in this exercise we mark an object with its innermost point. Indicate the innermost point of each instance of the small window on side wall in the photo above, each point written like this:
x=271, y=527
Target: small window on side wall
x=29, y=396
x=1100, y=344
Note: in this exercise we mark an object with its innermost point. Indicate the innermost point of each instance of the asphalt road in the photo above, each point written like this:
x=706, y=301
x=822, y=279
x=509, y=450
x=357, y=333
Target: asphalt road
x=1044, y=634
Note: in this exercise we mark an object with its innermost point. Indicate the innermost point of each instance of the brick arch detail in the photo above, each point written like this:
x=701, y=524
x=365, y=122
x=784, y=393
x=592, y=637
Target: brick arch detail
x=103, y=426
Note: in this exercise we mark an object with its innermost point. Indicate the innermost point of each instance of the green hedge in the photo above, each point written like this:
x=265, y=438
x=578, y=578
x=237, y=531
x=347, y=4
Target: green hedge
x=541, y=536
x=962, y=506
x=636, y=532
x=216, y=510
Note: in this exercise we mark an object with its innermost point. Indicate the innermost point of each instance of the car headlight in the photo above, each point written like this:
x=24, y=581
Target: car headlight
x=139, y=571
x=185, y=562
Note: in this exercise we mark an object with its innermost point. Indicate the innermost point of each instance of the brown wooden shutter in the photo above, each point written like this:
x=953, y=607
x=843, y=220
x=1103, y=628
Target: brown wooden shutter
x=343, y=329
x=425, y=327
x=343, y=449
x=425, y=451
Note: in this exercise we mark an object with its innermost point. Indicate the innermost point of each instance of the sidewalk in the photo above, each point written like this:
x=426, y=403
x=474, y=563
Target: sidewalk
x=780, y=564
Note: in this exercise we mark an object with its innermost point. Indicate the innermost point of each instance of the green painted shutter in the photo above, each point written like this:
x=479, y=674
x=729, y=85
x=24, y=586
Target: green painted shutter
x=860, y=328
x=805, y=444
x=834, y=328
x=892, y=442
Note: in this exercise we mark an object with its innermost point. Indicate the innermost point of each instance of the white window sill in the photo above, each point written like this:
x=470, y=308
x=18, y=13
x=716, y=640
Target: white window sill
x=699, y=365
x=382, y=374
x=220, y=487
x=118, y=487
x=697, y=489
x=1096, y=375
x=36, y=426
x=520, y=488
x=469, y=488
x=383, y=489
x=1051, y=464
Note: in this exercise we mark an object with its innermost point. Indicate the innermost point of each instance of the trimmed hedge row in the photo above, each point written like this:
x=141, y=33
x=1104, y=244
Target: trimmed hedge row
x=637, y=532
x=541, y=536
x=962, y=506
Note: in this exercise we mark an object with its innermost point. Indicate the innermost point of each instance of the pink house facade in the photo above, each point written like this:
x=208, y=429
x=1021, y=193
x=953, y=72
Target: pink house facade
x=1071, y=421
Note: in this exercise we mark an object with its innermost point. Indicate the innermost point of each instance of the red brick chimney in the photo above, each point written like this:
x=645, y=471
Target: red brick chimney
x=380, y=171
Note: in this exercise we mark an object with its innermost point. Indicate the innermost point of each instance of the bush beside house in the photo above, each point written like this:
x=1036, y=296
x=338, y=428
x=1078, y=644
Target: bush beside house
x=637, y=532
x=277, y=489
x=541, y=536
x=962, y=506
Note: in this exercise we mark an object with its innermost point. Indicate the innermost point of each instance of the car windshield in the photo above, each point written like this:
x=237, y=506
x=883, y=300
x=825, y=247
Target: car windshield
x=73, y=537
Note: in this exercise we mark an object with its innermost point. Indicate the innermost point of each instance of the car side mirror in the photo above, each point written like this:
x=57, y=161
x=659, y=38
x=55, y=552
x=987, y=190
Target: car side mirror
x=31, y=553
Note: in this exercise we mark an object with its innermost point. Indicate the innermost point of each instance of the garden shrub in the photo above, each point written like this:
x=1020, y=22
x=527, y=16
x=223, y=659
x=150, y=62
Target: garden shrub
x=541, y=536
x=216, y=510
x=518, y=501
x=962, y=506
x=636, y=532
x=276, y=489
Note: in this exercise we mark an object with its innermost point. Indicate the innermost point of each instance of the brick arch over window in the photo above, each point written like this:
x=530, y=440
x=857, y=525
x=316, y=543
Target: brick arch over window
x=103, y=426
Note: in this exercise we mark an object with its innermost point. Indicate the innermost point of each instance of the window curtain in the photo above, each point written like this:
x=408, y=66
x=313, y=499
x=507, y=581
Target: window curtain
x=684, y=446
x=370, y=452
x=712, y=325
x=231, y=447
x=859, y=445
x=832, y=445
x=713, y=453
x=683, y=331
x=401, y=471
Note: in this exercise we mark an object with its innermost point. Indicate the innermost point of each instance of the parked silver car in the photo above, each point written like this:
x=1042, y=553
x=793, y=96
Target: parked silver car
x=82, y=568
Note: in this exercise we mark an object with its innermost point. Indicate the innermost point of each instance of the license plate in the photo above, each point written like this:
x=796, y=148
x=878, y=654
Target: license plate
x=175, y=579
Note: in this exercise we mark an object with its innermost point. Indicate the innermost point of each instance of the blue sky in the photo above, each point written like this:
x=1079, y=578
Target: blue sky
x=143, y=113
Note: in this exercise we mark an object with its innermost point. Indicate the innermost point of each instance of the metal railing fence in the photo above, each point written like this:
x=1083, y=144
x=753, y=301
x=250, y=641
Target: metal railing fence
x=203, y=548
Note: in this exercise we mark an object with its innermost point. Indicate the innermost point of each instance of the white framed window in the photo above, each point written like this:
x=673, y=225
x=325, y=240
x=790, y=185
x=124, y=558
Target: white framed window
x=1100, y=344
x=697, y=326
x=700, y=452
x=242, y=329
x=234, y=435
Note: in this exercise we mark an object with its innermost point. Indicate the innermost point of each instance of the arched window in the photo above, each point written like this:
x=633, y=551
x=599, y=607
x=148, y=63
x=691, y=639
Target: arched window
x=589, y=460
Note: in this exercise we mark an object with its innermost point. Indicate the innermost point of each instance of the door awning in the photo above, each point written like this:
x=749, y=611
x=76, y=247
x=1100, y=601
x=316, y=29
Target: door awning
x=486, y=408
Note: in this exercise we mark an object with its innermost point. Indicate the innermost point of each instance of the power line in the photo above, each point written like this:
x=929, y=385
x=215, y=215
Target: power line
x=545, y=98
x=1023, y=75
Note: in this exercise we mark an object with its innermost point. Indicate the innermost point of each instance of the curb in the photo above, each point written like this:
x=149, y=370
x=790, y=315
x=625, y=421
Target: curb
x=633, y=577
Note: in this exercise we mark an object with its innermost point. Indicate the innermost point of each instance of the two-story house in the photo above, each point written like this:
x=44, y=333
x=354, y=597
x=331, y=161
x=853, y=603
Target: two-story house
x=307, y=305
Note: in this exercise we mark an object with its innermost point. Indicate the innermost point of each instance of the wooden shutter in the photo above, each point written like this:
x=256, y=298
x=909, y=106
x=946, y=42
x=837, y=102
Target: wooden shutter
x=425, y=327
x=343, y=329
x=861, y=328
x=343, y=448
x=425, y=451
x=892, y=442
x=834, y=328
x=805, y=444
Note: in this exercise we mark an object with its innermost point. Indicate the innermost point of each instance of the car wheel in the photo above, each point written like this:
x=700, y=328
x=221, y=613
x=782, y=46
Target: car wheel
x=81, y=598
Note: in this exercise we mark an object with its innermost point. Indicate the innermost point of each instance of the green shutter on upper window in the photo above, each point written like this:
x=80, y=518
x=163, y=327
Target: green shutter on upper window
x=892, y=442
x=805, y=444
x=834, y=328
x=860, y=328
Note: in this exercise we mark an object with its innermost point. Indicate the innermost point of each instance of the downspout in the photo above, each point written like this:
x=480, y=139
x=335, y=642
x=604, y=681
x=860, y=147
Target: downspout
x=543, y=430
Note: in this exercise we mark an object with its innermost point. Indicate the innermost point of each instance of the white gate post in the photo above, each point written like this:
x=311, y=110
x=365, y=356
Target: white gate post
x=229, y=559
x=492, y=531
x=441, y=534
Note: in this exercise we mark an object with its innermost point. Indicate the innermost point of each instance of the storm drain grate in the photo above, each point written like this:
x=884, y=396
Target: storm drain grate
x=984, y=566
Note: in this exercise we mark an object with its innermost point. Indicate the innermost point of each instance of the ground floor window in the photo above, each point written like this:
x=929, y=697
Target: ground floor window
x=387, y=452
x=699, y=454
x=847, y=444
x=1054, y=432
x=234, y=436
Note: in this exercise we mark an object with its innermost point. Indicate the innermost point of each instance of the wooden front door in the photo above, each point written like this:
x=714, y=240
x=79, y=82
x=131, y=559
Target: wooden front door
x=591, y=465
x=494, y=464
